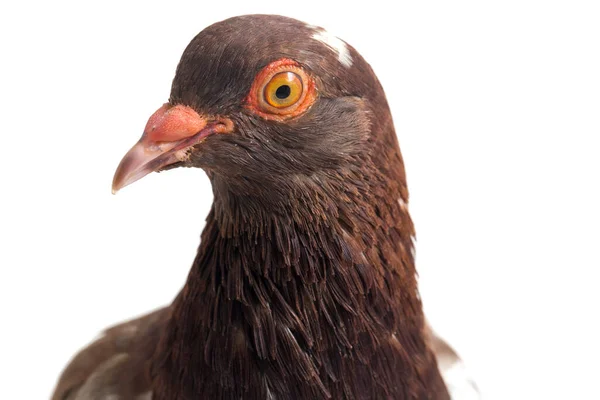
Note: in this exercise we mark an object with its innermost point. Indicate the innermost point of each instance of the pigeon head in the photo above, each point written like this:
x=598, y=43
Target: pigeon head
x=262, y=101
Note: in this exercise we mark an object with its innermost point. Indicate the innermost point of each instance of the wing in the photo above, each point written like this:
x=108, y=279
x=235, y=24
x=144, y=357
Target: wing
x=116, y=364
x=458, y=381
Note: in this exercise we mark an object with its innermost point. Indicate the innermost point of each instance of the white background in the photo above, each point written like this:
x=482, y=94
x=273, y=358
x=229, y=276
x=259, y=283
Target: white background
x=497, y=107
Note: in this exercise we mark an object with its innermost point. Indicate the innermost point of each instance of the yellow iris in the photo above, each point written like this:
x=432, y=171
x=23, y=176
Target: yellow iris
x=283, y=90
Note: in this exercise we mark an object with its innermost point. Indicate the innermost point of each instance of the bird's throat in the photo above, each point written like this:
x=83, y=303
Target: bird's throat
x=316, y=302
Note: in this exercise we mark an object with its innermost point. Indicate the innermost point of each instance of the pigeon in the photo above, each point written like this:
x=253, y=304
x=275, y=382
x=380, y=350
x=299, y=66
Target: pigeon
x=304, y=283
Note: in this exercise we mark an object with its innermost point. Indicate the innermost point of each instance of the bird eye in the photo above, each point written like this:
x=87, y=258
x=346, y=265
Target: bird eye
x=282, y=90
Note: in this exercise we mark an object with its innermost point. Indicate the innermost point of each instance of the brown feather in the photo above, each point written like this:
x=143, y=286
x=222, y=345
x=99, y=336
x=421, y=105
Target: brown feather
x=116, y=363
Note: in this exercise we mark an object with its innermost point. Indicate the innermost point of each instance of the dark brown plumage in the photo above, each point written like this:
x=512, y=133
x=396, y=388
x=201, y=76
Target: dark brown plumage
x=304, y=285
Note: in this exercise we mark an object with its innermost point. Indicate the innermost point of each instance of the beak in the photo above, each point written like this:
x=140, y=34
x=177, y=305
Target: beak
x=169, y=134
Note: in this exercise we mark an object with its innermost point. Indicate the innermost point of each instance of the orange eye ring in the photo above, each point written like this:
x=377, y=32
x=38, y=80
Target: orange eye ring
x=282, y=90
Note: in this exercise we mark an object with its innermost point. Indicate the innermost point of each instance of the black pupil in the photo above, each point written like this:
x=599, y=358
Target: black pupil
x=283, y=92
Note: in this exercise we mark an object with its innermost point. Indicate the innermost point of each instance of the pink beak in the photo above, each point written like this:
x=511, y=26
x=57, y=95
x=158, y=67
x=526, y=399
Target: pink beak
x=169, y=134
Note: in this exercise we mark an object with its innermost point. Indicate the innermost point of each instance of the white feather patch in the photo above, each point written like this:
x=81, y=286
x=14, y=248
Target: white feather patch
x=335, y=44
x=402, y=203
x=459, y=382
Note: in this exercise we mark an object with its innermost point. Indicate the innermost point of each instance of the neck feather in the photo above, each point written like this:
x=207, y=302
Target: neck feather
x=315, y=298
